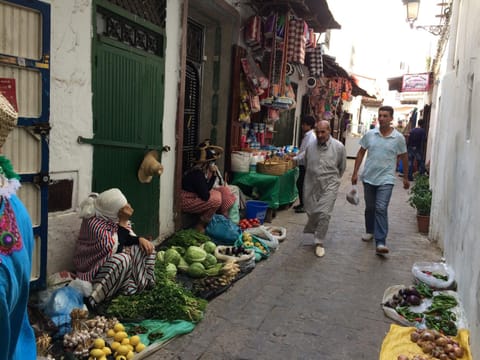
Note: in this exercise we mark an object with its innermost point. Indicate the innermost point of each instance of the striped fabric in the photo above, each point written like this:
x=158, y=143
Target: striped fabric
x=221, y=200
x=95, y=243
x=128, y=272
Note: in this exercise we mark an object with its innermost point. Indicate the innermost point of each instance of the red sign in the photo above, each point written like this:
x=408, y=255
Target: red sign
x=8, y=89
x=416, y=82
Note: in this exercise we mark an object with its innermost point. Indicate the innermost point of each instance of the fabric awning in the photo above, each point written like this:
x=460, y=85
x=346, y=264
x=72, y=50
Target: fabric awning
x=315, y=12
x=332, y=69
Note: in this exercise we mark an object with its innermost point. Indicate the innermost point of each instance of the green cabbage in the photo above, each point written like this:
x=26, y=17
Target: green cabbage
x=209, y=247
x=172, y=257
x=183, y=265
x=171, y=271
x=195, y=254
x=209, y=261
x=161, y=256
x=196, y=270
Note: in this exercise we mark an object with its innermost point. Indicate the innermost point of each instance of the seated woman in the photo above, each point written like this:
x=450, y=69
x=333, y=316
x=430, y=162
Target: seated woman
x=200, y=194
x=108, y=253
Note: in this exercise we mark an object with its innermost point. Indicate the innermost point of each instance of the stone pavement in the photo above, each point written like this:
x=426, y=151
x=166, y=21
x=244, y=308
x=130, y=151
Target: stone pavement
x=297, y=306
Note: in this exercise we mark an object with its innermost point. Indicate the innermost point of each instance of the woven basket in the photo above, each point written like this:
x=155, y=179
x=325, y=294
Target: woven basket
x=8, y=118
x=271, y=167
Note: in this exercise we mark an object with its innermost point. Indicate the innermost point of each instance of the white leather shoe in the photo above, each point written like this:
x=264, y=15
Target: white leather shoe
x=319, y=251
x=367, y=237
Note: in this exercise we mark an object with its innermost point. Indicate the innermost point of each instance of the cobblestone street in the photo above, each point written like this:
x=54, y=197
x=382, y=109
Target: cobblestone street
x=297, y=306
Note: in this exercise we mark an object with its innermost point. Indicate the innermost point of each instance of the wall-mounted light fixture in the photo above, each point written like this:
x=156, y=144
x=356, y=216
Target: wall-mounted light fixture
x=412, y=10
x=412, y=7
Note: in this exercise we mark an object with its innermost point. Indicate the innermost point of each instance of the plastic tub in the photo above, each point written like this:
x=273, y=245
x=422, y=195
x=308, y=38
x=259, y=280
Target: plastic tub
x=256, y=209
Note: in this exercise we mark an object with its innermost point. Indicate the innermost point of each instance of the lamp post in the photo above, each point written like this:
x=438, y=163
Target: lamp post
x=412, y=10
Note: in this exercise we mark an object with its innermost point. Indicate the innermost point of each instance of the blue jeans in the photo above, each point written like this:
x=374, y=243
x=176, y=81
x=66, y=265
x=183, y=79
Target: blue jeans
x=415, y=154
x=377, y=199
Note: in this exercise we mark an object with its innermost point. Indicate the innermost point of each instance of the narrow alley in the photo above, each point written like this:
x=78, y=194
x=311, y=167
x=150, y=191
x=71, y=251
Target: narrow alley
x=297, y=306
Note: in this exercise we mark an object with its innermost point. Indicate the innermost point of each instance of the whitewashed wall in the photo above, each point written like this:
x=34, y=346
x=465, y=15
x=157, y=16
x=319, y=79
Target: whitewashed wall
x=71, y=116
x=455, y=161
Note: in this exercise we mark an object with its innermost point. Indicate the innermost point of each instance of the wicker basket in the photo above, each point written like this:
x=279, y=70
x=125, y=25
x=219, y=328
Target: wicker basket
x=272, y=167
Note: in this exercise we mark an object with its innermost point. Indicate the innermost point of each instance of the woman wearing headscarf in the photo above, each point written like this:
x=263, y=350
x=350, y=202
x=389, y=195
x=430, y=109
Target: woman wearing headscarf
x=108, y=253
x=201, y=194
x=17, y=339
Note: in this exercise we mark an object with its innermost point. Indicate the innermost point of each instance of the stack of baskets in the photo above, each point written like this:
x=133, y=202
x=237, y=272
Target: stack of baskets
x=275, y=166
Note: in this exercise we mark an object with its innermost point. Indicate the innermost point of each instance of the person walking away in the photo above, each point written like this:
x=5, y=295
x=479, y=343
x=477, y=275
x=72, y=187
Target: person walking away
x=17, y=339
x=415, y=147
x=384, y=145
x=325, y=163
x=307, y=125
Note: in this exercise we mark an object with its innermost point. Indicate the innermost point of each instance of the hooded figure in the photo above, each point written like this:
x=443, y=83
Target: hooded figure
x=200, y=194
x=108, y=253
x=17, y=339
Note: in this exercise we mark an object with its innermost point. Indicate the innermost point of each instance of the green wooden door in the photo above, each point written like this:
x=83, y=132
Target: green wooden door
x=128, y=112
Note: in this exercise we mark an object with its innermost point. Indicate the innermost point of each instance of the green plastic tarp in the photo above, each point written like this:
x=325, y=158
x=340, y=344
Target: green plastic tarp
x=274, y=190
x=168, y=330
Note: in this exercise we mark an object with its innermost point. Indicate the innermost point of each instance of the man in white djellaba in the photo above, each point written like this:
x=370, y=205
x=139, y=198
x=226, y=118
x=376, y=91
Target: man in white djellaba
x=325, y=163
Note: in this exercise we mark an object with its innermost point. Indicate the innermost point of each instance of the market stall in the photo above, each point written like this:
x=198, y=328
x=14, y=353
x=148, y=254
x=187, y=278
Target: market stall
x=276, y=190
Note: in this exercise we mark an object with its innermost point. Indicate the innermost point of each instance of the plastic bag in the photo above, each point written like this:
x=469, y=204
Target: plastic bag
x=264, y=235
x=429, y=273
x=223, y=231
x=234, y=212
x=278, y=232
x=352, y=195
x=58, y=304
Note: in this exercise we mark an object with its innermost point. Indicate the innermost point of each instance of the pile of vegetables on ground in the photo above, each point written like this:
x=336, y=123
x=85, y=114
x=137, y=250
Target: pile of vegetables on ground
x=437, y=315
x=434, y=344
x=167, y=300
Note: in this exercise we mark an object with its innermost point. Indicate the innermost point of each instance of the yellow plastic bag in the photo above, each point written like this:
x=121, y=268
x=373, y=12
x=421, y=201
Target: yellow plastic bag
x=397, y=342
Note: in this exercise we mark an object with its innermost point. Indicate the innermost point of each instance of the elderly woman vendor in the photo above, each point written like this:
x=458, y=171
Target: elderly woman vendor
x=108, y=253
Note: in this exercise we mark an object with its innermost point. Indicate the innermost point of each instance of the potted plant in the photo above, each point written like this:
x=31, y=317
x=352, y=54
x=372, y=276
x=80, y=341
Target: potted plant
x=421, y=200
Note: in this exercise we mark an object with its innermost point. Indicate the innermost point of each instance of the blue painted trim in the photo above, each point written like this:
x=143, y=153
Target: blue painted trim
x=43, y=66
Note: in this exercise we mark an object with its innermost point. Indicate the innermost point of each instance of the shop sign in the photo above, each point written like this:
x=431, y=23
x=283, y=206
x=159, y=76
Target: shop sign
x=416, y=82
x=7, y=88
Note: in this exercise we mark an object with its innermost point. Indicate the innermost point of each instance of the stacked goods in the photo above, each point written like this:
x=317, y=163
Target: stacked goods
x=253, y=32
x=436, y=345
x=228, y=274
x=81, y=339
x=297, y=40
x=315, y=62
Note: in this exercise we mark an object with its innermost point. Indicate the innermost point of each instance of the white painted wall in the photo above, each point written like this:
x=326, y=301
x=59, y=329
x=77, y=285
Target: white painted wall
x=172, y=78
x=71, y=116
x=455, y=161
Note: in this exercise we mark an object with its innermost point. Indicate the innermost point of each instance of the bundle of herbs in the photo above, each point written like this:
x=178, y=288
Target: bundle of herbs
x=187, y=237
x=167, y=300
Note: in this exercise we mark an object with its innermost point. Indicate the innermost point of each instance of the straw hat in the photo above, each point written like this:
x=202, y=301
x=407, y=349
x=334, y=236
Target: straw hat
x=8, y=119
x=207, y=152
x=150, y=166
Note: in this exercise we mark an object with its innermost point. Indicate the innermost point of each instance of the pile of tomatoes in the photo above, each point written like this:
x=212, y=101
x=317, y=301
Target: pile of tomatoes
x=248, y=223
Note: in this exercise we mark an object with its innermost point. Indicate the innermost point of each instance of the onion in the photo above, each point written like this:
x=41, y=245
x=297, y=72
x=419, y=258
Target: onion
x=427, y=347
x=458, y=351
x=414, y=336
x=427, y=336
x=441, y=341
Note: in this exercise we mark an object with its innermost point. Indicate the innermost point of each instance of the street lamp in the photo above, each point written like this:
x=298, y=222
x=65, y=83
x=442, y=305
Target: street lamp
x=412, y=10
x=412, y=15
